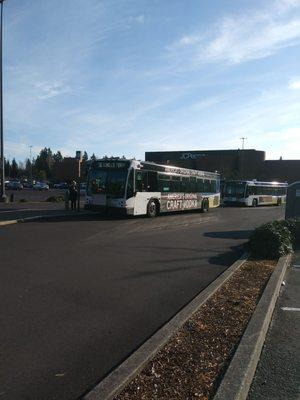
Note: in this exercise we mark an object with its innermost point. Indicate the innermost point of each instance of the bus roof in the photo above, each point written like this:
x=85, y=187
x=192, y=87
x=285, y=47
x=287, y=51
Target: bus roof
x=151, y=166
x=259, y=183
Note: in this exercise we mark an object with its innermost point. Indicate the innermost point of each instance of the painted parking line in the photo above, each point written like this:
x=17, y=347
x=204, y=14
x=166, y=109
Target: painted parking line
x=290, y=309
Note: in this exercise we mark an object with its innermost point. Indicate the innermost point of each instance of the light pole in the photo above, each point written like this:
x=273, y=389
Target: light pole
x=30, y=165
x=243, y=142
x=3, y=197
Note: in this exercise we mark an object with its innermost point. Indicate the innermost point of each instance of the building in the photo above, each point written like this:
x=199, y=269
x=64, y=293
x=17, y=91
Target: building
x=70, y=168
x=231, y=164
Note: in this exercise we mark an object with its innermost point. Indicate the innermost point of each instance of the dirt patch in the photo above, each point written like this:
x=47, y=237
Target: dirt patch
x=193, y=362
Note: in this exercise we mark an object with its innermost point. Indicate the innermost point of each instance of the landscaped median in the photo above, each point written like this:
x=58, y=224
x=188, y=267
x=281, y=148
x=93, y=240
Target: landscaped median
x=210, y=349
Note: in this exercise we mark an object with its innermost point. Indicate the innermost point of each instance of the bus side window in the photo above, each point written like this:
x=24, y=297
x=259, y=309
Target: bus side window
x=141, y=181
x=213, y=186
x=185, y=184
x=164, y=183
x=200, y=186
x=152, y=182
x=130, y=185
x=175, y=184
x=193, y=184
x=206, y=186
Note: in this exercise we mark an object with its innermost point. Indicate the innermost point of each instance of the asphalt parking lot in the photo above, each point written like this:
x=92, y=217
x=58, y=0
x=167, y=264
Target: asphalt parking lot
x=77, y=297
x=34, y=195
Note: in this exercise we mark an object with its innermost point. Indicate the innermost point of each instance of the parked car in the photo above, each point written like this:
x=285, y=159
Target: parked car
x=61, y=185
x=13, y=185
x=41, y=186
x=82, y=189
x=27, y=185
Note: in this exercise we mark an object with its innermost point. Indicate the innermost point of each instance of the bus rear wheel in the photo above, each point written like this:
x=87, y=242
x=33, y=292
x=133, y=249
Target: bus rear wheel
x=152, y=209
x=205, y=206
x=254, y=203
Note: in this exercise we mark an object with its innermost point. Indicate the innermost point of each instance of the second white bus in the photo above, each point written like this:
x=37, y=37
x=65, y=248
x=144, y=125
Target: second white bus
x=254, y=193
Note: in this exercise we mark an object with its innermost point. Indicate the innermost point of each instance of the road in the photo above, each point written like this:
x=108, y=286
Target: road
x=77, y=297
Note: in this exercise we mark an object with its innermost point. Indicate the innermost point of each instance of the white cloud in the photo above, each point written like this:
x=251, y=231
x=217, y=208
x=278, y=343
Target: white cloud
x=52, y=89
x=139, y=19
x=294, y=84
x=240, y=38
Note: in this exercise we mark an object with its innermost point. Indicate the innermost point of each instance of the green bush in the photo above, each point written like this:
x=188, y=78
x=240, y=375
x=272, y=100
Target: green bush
x=273, y=240
x=22, y=201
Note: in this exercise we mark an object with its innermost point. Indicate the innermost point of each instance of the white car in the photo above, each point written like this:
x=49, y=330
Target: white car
x=41, y=186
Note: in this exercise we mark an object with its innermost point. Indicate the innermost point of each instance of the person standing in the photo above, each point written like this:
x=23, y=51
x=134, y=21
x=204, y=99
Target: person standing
x=73, y=193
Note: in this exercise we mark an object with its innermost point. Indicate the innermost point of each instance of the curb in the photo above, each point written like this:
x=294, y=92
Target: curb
x=39, y=217
x=113, y=384
x=237, y=380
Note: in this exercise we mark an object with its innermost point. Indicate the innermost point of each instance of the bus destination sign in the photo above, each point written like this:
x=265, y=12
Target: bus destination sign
x=112, y=164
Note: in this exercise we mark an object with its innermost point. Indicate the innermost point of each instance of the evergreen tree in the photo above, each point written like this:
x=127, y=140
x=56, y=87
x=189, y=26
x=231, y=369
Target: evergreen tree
x=14, y=170
x=44, y=162
x=57, y=157
x=93, y=157
x=85, y=156
x=7, y=168
x=42, y=176
x=28, y=168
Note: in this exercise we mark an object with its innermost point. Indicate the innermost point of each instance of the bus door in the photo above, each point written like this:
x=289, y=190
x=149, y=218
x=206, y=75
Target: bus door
x=141, y=192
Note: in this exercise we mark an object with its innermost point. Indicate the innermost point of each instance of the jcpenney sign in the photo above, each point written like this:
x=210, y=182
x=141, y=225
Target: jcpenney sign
x=192, y=156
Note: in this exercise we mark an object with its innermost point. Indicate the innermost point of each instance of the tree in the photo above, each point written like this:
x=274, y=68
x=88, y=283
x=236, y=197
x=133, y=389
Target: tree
x=93, y=157
x=28, y=168
x=7, y=168
x=14, y=170
x=42, y=176
x=85, y=156
x=57, y=157
x=44, y=161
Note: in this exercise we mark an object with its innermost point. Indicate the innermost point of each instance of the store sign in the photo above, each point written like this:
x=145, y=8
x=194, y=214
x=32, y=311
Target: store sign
x=191, y=156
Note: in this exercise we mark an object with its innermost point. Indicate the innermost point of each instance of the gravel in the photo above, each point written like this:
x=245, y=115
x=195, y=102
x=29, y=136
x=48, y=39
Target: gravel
x=193, y=362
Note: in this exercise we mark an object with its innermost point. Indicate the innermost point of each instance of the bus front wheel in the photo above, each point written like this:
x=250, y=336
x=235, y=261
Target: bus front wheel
x=152, y=209
x=205, y=206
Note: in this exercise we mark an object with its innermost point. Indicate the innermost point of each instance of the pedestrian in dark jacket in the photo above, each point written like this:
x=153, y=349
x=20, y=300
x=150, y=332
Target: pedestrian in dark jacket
x=73, y=193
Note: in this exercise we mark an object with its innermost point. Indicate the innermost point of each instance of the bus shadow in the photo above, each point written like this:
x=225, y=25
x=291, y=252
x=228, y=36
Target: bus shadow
x=83, y=217
x=242, y=234
x=223, y=259
x=101, y=216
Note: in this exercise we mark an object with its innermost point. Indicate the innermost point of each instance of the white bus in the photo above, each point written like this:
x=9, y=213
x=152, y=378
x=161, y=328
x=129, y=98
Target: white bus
x=145, y=188
x=254, y=193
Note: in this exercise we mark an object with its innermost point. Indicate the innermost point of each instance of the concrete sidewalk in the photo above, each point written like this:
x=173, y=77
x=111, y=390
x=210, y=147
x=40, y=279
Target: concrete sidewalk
x=277, y=376
x=16, y=211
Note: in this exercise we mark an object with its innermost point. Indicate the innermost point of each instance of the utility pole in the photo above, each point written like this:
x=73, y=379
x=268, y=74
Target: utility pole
x=3, y=197
x=30, y=147
x=243, y=142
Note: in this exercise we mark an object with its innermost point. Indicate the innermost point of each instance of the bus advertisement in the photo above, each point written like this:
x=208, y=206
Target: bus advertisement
x=145, y=188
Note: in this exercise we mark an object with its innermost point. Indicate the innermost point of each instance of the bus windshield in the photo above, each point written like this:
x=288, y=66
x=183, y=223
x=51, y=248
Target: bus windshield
x=235, y=189
x=110, y=182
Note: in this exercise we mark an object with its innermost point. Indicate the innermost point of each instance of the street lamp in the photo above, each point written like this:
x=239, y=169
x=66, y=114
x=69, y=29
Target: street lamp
x=2, y=169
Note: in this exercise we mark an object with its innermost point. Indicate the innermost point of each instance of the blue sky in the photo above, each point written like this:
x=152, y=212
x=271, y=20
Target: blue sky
x=121, y=77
